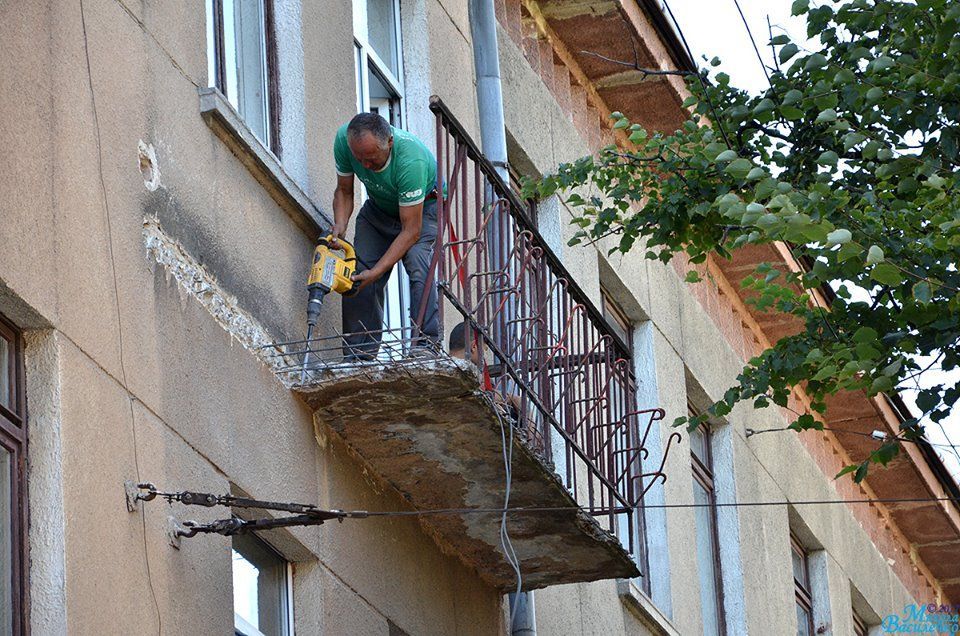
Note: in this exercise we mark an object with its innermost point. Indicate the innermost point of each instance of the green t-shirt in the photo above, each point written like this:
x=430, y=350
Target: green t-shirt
x=410, y=173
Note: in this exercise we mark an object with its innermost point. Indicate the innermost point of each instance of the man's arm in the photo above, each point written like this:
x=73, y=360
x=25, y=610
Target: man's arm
x=342, y=205
x=411, y=220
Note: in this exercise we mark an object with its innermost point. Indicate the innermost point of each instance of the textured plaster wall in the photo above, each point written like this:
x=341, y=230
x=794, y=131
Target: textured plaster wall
x=689, y=350
x=134, y=377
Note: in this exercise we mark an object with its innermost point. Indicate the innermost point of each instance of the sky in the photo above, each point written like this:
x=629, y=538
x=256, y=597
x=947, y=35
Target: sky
x=715, y=28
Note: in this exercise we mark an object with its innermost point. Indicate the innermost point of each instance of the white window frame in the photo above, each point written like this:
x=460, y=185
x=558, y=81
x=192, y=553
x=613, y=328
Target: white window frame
x=396, y=306
x=243, y=627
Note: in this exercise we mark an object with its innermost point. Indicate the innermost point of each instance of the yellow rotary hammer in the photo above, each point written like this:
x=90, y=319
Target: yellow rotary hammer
x=329, y=272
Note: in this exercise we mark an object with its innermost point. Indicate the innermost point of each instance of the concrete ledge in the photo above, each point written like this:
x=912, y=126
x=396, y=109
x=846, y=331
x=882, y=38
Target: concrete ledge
x=641, y=605
x=431, y=434
x=262, y=164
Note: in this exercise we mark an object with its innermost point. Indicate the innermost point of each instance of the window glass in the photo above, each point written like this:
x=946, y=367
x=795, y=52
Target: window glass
x=6, y=356
x=803, y=621
x=260, y=590
x=707, y=565
x=382, y=32
x=251, y=65
x=698, y=445
x=6, y=542
x=243, y=65
x=616, y=318
x=799, y=567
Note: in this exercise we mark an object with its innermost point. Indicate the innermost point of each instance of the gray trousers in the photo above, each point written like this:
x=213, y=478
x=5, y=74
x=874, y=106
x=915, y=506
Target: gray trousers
x=375, y=231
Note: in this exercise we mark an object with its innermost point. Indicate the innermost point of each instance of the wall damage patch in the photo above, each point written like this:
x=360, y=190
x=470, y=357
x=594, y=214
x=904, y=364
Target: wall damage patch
x=200, y=284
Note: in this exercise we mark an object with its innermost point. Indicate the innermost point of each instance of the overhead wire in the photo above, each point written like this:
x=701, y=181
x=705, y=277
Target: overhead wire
x=744, y=504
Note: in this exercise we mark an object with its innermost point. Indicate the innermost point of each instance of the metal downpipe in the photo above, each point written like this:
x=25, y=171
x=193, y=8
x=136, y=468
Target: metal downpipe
x=493, y=138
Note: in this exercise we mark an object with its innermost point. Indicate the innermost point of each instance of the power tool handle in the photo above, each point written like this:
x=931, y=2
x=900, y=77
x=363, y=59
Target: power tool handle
x=349, y=254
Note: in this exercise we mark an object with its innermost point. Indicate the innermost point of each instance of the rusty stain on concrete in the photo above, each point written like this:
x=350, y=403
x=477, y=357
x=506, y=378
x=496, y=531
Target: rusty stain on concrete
x=430, y=434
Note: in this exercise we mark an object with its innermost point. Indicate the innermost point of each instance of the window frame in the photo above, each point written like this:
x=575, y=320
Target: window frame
x=703, y=474
x=286, y=595
x=614, y=313
x=271, y=62
x=397, y=290
x=802, y=592
x=13, y=438
x=860, y=627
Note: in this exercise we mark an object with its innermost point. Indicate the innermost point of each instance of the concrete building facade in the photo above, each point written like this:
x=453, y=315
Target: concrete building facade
x=167, y=170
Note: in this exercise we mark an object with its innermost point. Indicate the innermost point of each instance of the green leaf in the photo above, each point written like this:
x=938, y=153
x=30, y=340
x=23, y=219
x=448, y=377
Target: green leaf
x=692, y=277
x=839, y=237
x=861, y=473
x=765, y=105
x=756, y=173
x=865, y=335
x=886, y=274
x=791, y=97
x=779, y=40
x=727, y=155
x=875, y=94
x=739, y=168
x=922, y=292
x=846, y=470
x=885, y=453
x=828, y=158
x=799, y=6
x=852, y=139
x=874, y=255
x=826, y=116
x=621, y=123
x=882, y=63
x=814, y=62
x=844, y=76
x=788, y=51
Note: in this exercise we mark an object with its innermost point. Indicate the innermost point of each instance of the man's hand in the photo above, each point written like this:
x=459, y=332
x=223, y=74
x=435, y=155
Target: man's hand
x=337, y=232
x=366, y=277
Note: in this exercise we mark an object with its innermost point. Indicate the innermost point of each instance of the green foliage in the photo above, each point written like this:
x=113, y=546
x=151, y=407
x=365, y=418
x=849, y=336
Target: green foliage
x=850, y=158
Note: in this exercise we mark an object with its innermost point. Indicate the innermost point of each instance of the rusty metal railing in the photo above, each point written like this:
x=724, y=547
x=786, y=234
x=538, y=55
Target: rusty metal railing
x=546, y=349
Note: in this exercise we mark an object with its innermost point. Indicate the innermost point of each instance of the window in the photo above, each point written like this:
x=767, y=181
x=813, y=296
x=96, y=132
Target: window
x=379, y=77
x=13, y=501
x=262, y=603
x=622, y=325
x=859, y=626
x=801, y=582
x=242, y=63
x=708, y=545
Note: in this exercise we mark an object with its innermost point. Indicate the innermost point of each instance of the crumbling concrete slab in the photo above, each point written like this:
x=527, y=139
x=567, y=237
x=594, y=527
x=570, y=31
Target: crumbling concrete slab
x=429, y=432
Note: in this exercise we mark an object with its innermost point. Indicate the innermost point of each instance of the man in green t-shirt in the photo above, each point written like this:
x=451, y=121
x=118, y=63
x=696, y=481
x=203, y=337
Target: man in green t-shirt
x=397, y=222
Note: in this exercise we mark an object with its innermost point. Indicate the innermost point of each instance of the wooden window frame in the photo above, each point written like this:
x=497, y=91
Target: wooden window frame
x=703, y=474
x=860, y=627
x=611, y=310
x=804, y=597
x=273, y=72
x=13, y=438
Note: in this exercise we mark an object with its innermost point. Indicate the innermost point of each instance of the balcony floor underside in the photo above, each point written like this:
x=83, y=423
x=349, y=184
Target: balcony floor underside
x=430, y=434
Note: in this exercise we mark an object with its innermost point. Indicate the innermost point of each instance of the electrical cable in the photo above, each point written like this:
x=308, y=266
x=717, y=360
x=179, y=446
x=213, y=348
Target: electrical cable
x=505, y=542
x=116, y=290
x=753, y=431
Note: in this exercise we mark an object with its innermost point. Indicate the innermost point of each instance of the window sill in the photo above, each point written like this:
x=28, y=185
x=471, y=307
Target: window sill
x=227, y=124
x=637, y=600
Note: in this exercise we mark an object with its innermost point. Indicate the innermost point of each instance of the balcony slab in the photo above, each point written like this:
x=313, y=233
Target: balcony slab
x=431, y=434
